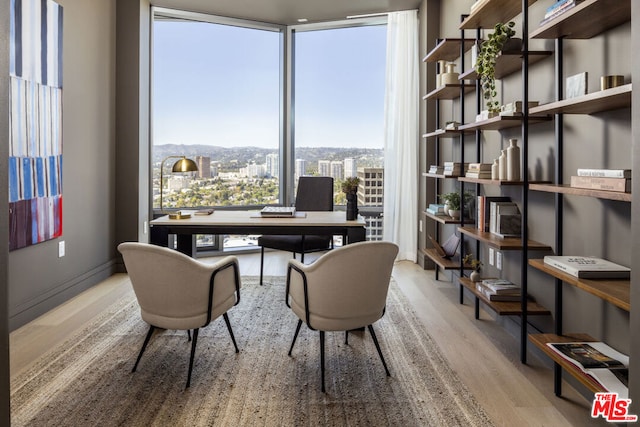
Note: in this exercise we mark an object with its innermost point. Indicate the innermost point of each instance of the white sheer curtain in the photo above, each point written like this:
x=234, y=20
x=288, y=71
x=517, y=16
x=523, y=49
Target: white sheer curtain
x=401, y=134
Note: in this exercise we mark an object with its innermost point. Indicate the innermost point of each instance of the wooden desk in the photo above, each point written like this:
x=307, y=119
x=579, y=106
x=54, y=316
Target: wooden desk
x=249, y=222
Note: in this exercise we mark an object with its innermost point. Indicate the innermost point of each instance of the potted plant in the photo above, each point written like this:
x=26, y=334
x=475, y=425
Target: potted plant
x=475, y=264
x=350, y=188
x=486, y=62
x=452, y=202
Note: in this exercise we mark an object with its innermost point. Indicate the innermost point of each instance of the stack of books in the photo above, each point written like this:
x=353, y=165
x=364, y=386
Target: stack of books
x=435, y=169
x=453, y=168
x=483, y=205
x=557, y=9
x=436, y=209
x=504, y=219
x=278, y=211
x=515, y=108
x=588, y=267
x=499, y=290
x=603, y=179
x=478, y=170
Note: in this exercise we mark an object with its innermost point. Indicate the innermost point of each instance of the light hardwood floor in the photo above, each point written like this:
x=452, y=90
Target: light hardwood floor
x=483, y=354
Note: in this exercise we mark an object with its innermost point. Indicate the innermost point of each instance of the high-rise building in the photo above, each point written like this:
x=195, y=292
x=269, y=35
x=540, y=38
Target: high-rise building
x=336, y=170
x=301, y=168
x=253, y=171
x=273, y=165
x=371, y=187
x=204, y=166
x=324, y=168
x=350, y=167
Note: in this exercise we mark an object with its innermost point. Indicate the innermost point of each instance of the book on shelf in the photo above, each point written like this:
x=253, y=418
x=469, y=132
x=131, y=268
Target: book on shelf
x=588, y=267
x=622, y=185
x=448, y=248
x=436, y=207
x=508, y=225
x=500, y=208
x=436, y=212
x=550, y=15
x=477, y=167
x=435, y=169
x=605, y=173
x=515, y=107
x=501, y=286
x=479, y=174
x=606, y=366
x=492, y=296
x=483, y=205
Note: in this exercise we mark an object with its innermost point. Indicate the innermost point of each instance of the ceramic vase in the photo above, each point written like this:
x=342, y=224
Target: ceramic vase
x=502, y=165
x=513, y=161
x=474, y=276
x=495, y=170
x=352, y=206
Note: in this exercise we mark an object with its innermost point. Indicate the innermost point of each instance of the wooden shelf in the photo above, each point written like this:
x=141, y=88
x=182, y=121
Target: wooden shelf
x=443, y=133
x=437, y=176
x=586, y=20
x=508, y=63
x=500, y=243
x=616, y=292
x=492, y=11
x=448, y=50
x=492, y=181
x=448, y=91
x=444, y=263
x=445, y=219
x=501, y=122
x=604, y=100
x=567, y=189
x=504, y=308
x=541, y=340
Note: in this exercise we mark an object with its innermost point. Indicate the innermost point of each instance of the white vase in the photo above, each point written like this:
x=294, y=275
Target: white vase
x=513, y=161
x=474, y=276
x=495, y=170
x=502, y=165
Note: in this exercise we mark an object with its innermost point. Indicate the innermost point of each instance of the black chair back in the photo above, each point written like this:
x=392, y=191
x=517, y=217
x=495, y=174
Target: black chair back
x=314, y=193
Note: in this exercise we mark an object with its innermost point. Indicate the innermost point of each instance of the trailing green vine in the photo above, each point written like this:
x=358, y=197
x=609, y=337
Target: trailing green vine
x=486, y=62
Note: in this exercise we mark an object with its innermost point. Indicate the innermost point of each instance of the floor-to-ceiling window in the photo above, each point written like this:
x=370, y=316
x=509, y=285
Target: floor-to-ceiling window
x=219, y=96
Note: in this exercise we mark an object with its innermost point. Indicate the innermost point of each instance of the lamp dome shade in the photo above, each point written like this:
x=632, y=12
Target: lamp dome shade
x=184, y=165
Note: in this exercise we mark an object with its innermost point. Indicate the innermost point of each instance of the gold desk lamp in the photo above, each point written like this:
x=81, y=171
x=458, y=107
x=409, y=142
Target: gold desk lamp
x=182, y=165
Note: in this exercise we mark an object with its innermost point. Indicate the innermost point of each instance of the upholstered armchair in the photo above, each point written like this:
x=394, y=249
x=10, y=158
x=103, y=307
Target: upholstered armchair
x=314, y=193
x=343, y=290
x=177, y=292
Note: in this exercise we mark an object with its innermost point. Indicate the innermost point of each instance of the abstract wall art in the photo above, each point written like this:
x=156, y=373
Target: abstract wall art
x=35, y=126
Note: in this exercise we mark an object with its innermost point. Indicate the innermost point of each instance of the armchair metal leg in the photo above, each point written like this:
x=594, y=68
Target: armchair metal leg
x=226, y=320
x=322, y=358
x=375, y=341
x=295, y=336
x=346, y=337
x=144, y=346
x=261, y=263
x=193, y=352
x=189, y=334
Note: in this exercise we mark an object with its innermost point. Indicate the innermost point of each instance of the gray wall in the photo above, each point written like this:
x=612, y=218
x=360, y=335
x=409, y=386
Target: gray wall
x=591, y=226
x=5, y=412
x=38, y=279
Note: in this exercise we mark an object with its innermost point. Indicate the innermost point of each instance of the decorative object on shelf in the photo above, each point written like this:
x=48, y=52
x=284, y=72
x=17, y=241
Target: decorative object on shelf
x=513, y=161
x=576, y=85
x=557, y=9
x=181, y=166
x=515, y=108
x=502, y=165
x=452, y=125
x=607, y=82
x=450, y=77
x=486, y=63
x=475, y=264
x=495, y=170
x=350, y=188
x=452, y=202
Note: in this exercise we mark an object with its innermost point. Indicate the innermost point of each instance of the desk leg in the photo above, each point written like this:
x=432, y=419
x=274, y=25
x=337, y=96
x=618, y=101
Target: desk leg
x=356, y=235
x=185, y=243
x=159, y=236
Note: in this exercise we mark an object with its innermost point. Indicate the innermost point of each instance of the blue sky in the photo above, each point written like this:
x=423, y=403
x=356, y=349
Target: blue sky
x=219, y=85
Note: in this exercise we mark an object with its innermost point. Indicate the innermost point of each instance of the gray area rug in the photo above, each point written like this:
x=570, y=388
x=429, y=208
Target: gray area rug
x=88, y=380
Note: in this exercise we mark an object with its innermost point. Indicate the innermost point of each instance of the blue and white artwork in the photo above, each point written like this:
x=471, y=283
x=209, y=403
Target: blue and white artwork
x=35, y=125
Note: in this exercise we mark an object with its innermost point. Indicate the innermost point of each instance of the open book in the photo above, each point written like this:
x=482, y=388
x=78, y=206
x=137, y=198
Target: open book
x=607, y=366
